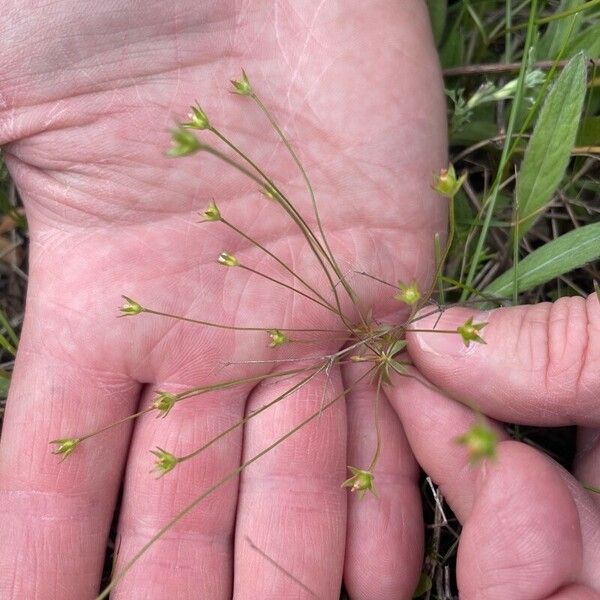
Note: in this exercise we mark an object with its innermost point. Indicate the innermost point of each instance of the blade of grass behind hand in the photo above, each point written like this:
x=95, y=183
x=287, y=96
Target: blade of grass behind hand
x=570, y=251
x=491, y=200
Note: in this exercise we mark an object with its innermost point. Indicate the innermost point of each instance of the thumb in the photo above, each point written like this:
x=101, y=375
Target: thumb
x=539, y=365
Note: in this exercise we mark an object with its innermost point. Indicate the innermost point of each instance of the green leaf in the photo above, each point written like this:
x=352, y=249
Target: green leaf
x=568, y=252
x=588, y=41
x=589, y=134
x=558, y=31
x=474, y=131
x=549, y=149
x=424, y=585
x=453, y=48
x=437, y=14
x=4, y=383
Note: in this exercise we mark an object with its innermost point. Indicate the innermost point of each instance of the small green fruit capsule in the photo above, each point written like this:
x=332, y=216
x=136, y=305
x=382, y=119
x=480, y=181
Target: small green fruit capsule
x=164, y=403
x=278, y=338
x=228, y=259
x=65, y=446
x=446, y=182
x=130, y=307
x=165, y=461
x=409, y=294
x=469, y=332
x=197, y=119
x=212, y=212
x=183, y=143
x=242, y=86
x=480, y=441
x=361, y=482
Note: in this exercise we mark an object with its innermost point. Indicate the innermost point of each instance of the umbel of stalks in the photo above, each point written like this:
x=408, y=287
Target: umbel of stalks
x=364, y=338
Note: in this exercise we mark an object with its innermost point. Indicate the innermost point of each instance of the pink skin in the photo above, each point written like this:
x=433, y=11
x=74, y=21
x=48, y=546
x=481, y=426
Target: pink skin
x=87, y=94
x=531, y=531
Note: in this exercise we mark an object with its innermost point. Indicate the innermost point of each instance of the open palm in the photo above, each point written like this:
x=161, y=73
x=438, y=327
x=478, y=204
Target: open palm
x=89, y=92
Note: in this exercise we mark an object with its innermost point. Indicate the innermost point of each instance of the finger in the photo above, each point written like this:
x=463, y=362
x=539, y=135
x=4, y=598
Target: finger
x=587, y=460
x=193, y=559
x=575, y=592
x=539, y=365
x=432, y=422
x=56, y=515
x=384, y=540
x=589, y=520
x=522, y=539
x=292, y=512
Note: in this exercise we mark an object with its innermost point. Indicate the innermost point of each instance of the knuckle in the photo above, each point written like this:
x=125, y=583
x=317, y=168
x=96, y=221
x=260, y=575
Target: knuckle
x=570, y=363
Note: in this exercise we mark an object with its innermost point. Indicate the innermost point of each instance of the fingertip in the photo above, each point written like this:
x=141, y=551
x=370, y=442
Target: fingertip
x=523, y=538
x=534, y=364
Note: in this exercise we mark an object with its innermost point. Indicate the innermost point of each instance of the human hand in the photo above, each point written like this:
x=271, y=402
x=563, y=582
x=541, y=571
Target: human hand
x=88, y=92
x=531, y=530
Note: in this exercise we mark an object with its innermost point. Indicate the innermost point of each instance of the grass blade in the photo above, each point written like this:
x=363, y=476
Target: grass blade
x=559, y=30
x=492, y=198
x=8, y=328
x=438, y=10
x=568, y=252
x=549, y=148
x=587, y=41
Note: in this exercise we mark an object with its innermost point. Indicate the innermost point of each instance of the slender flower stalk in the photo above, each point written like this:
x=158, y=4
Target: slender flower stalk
x=164, y=404
x=228, y=477
x=289, y=287
x=376, y=403
x=150, y=311
x=329, y=254
x=277, y=259
x=66, y=446
x=278, y=195
x=254, y=414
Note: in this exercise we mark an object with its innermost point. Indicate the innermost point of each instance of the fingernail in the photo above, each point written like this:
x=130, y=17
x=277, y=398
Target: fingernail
x=446, y=344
